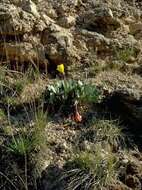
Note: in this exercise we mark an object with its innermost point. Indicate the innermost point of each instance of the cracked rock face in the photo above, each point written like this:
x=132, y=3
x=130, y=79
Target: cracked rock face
x=66, y=30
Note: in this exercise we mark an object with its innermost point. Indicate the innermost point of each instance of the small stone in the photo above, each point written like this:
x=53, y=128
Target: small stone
x=133, y=182
x=133, y=168
x=131, y=59
x=61, y=148
x=67, y=22
x=125, y=161
x=136, y=28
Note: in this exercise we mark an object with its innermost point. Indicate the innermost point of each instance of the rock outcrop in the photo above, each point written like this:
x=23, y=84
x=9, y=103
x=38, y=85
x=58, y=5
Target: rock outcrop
x=67, y=30
x=123, y=100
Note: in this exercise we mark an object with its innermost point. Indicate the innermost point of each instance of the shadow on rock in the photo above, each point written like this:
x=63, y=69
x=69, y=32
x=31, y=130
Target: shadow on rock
x=50, y=179
x=127, y=107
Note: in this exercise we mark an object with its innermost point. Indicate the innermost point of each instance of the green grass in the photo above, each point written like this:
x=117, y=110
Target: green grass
x=19, y=85
x=40, y=123
x=91, y=170
x=30, y=138
x=2, y=114
x=3, y=71
x=20, y=145
x=26, y=78
x=96, y=167
x=109, y=131
x=125, y=54
x=26, y=146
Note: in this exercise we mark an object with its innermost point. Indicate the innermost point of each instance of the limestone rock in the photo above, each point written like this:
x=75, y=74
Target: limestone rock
x=29, y=6
x=14, y=21
x=100, y=20
x=68, y=30
x=22, y=52
x=136, y=29
x=67, y=22
x=58, y=43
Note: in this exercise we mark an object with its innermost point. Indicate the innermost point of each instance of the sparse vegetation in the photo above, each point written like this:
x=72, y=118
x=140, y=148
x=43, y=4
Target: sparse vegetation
x=109, y=131
x=125, y=54
x=39, y=124
x=92, y=170
x=33, y=139
x=20, y=146
x=81, y=132
x=2, y=115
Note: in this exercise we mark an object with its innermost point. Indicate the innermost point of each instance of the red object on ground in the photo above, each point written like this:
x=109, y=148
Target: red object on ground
x=77, y=117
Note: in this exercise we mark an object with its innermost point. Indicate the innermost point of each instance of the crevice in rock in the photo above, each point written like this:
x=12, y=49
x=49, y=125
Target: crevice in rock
x=129, y=110
x=11, y=38
x=100, y=27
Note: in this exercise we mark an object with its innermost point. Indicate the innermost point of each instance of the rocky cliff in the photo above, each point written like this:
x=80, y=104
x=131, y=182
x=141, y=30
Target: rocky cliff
x=71, y=31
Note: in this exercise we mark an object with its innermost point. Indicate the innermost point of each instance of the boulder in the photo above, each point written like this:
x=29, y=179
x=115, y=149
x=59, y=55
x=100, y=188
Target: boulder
x=58, y=43
x=99, y=19
x=127, y=104
x=67, y=21
x=14, y=21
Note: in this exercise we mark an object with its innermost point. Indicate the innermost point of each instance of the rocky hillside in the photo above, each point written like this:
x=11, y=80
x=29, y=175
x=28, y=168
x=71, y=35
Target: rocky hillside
x=72, y=31
x=42, y=146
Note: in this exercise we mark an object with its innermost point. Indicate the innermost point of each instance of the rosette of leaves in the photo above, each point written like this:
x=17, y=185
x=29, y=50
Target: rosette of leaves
x=62, y=95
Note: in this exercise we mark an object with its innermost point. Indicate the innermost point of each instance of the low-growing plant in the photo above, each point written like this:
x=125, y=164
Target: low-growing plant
x=32, y=73
x=32, y=139
x=7, y=87
x=40, y=123
x=63, y=94
x=2, y=114
x=29, y=76
x=10, y=100
x=108, y=131
x=91, y=170
x=20, y=145
x=125, y=53
x=18, y=86
x=3, y=70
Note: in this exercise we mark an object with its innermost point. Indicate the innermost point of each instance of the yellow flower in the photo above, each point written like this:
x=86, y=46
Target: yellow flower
x=61, y=68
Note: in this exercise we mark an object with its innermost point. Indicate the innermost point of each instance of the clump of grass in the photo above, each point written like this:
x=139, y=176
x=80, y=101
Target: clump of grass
x=7, y=130
x=6, y=90
x=28, y=77
x=109, y=131
x=3, y=74
x=32, y=139
x=7, y=87
x=91, y=170
x=125, y=53
x=32, y=73
x=11, y=101
x=19, y=85
x=20, y=145
x=2, y=115
x=40, y=123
